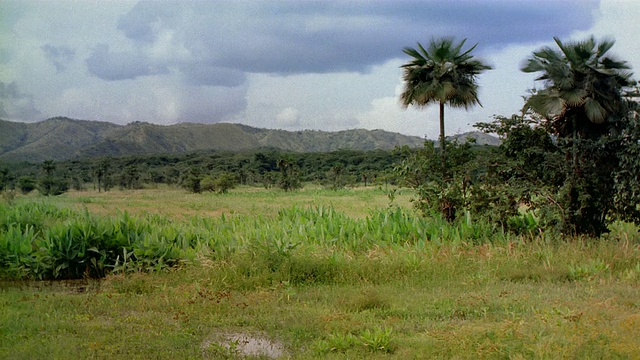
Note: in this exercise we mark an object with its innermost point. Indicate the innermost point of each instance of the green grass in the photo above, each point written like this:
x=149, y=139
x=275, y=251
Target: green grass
x=319, y=273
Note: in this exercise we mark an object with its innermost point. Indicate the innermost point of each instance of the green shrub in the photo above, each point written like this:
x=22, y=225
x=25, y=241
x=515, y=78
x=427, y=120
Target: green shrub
x=26, y=184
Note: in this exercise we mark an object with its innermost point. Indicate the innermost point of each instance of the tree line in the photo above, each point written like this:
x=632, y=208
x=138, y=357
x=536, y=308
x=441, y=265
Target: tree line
x=197, y=172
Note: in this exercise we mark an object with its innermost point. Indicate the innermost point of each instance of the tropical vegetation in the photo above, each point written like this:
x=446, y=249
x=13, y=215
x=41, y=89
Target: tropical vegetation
x=569, y=158
x=443, y=74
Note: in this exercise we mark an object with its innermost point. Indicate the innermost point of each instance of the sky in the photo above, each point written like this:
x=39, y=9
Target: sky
x=294, y=65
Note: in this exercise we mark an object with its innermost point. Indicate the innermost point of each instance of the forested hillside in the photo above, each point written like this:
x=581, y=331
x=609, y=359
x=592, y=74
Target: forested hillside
x=65, y=139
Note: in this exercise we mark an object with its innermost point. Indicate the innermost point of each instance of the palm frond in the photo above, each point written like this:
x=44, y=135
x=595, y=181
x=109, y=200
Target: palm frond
x=532, y=65
x=546, y=103
x=574, y=97
x=455, y=52
x=604, y=46
x=594, y=111
x=441, y=73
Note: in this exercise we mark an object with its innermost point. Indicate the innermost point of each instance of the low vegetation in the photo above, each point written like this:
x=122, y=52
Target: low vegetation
x=315, y=272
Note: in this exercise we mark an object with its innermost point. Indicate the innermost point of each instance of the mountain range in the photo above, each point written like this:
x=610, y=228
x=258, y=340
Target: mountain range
x=65, y=139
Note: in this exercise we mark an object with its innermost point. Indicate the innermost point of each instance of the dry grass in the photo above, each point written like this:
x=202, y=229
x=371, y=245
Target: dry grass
x=533, y=299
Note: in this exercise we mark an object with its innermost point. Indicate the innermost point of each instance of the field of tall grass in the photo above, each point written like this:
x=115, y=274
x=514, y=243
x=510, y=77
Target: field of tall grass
x=316, y=273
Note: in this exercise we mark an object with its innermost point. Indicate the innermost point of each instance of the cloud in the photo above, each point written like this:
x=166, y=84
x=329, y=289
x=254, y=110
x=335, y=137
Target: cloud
x=15, y=105
x=284, y=37
x=59, y=56
x=207, y=75
x=288, y=117
x=108, y=65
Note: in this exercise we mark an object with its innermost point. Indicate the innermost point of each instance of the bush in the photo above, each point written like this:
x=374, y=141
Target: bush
x=220, y=184
x=224, y=182
x=53, y=186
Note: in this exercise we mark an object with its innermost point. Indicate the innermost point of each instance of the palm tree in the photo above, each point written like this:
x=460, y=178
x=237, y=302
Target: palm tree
x=583, y=94
x=444, y=74
x=584, y=102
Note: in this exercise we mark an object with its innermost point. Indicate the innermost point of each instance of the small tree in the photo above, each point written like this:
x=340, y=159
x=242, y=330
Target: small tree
x=101, y=174
x=4, y=178
x=26, y=184
x=289, y=175
x=336, y=175
x=193, y=180
x=224, y=182
x=130, y=178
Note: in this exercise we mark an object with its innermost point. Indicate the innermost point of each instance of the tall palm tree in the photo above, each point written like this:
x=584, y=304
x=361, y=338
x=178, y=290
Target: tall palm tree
x=583, y=94
x=443, y=74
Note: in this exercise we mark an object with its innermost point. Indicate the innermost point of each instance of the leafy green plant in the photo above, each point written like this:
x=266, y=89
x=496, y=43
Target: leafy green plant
x=592, y=269
x=16, y=252
x=222, y=351
x=378, y=340
x=336, y=342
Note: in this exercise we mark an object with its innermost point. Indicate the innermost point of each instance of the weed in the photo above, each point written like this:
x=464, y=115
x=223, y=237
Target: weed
x=336, y=342
x=378, y=340
x=222, y=351
x=589, y=271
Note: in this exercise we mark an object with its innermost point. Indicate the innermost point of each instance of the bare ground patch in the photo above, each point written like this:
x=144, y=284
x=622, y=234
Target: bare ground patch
x=241, y=344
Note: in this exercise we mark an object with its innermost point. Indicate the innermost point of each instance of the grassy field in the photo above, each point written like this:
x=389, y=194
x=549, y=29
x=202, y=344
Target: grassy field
x=317, y=274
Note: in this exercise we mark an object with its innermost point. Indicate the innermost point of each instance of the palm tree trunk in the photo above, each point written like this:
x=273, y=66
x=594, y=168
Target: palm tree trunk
x=442, y=140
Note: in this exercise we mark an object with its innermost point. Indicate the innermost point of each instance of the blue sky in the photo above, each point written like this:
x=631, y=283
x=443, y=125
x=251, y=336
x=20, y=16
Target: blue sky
x=327, y=65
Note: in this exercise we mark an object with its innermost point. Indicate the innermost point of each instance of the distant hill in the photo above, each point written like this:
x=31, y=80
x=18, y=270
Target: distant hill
x=479, y=137
x=64, y=139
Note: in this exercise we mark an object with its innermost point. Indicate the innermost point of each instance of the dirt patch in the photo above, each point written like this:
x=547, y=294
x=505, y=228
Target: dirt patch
x=241, y=344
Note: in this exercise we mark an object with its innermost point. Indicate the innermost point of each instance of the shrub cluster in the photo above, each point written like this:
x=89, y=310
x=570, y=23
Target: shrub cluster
x=41, y=241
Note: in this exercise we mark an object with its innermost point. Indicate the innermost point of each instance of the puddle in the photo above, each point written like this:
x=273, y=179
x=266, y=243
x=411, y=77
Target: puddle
x=241, y=344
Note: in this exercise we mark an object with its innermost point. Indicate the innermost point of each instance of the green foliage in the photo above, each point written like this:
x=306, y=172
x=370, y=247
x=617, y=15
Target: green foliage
x=473, y=183
x=570, y=160
x=4, y=178
x=382, y=283
x=66, y=244
x=192, y=181
x=626, y=179
x=589, y=270
x=336, y=342
x=247, y=168
x=444, y=74
x=130, y=178
x=53, y=186
x=16, y=251
x=223, y=183
x=289, y=175
x=583, y=95
x=376, y=340
x=101, y=171
x=586, y=106
x=50, y=184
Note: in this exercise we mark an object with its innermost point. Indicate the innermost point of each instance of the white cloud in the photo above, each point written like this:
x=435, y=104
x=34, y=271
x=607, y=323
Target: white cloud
x=288, y=118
